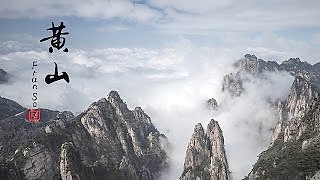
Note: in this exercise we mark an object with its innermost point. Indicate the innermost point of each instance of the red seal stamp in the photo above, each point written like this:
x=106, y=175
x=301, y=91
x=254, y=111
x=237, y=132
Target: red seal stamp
x=33, y=115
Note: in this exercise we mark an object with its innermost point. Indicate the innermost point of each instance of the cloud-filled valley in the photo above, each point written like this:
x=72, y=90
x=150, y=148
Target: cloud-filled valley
x=170, y=84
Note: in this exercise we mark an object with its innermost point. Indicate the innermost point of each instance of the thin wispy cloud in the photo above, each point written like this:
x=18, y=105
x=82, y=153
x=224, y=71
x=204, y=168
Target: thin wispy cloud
x=179, y=16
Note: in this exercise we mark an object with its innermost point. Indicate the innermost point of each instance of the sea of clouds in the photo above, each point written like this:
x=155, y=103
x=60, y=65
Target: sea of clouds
x=171, y=84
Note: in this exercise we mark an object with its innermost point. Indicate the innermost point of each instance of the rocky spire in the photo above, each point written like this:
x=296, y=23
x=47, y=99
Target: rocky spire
x=205, y=155
x=232, y=84
x=3, y=76
x=212, y=104
x=68, y=166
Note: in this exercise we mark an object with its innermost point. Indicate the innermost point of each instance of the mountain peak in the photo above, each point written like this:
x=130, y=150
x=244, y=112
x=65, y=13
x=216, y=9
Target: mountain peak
x=294, y=60
x=205, y=155
x=250, y=57
x=114, y=94
x=213, y=124
x=114, y=97
x=212, y=104
x=198, y=128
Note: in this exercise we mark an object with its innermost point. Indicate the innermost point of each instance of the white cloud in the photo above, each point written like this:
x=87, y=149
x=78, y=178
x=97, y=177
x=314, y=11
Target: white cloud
x=182, y=17
x=100, y=9
x=247, y=121
x=230, y=16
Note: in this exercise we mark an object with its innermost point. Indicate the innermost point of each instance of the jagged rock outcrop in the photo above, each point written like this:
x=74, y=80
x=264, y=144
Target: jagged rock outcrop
x=3, y=76
x=303, y=69
x=205, y=155
x=107, y=141
x=232, y=84
x=250, y=65
x=68, y=163
x=212, y=104
x=298, y=103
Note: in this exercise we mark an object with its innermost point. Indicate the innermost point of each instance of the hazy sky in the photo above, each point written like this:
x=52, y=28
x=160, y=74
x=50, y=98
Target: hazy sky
x=167, y=56
x=281, y=28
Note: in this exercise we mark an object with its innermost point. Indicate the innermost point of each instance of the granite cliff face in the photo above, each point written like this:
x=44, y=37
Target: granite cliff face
x=205, y=155
x=294, y=152
x=294, y=149
x=107, y=141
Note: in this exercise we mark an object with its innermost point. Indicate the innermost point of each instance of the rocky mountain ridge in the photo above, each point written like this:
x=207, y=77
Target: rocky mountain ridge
x=250, y=65
x=107, y=141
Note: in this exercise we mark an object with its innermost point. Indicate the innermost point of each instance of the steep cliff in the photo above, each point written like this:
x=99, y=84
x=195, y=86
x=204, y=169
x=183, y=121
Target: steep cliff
x=107, y=141
x=294, y=152
x=205, y=155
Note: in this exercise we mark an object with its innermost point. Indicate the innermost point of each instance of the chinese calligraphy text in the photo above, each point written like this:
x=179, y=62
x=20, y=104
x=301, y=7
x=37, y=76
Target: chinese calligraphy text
x=56, y=40
x=50, y=78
